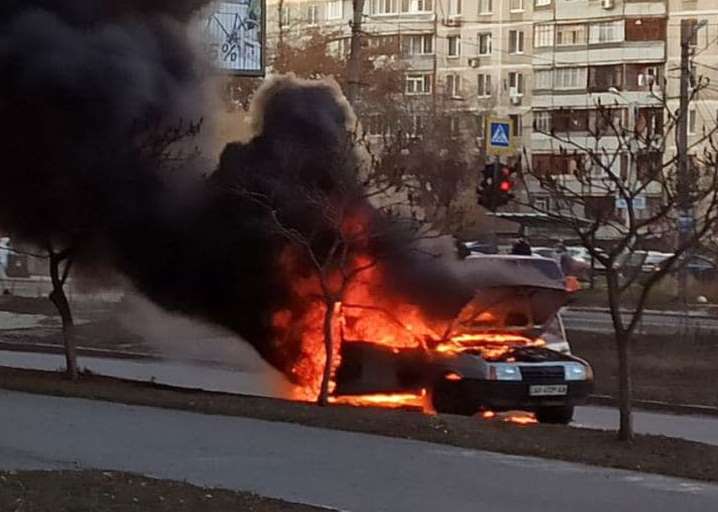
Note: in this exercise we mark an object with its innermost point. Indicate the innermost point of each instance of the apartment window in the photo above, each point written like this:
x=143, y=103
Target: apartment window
x=516, y=41
x=421, y=44
x=414, y=6
x=484, y=85
x=542, y=121
x=454, y=126
x=604, y=78
x=645, y=29
x=609, y=32
x=453, y=86
x=642, y=77
x=570, y=78
x=484, y=43
x=516, y=5
x=485, y=6
x=516, y=83
x=570, y=35
x=454, y=7
x=285, y=16
x=543, y=36
x=556, y=164
x=385, y=6
x=648, y=77
x=650, y=120
x=690, y=26
x=418, y=84
x=570, y=120
x=312, y=14
x=607, y=120
x=543, y=79
x=692, y=121
x=454, y=46
x=335, y=9
x=517, y=128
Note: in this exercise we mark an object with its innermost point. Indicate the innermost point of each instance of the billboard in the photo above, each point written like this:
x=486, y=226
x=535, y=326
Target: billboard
x=233, y=35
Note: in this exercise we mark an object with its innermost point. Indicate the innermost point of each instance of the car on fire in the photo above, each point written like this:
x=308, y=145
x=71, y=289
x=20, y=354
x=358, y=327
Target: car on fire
x=506, y=349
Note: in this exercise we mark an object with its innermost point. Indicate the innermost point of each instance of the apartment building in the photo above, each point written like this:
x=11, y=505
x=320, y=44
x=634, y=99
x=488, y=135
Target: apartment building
x=701, y=17
x=469, y=58
x=547, y=64
x=589, y=53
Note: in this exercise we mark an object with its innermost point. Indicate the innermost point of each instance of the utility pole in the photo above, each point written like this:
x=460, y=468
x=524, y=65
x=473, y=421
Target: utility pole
x=354, y=65
x=686, y=220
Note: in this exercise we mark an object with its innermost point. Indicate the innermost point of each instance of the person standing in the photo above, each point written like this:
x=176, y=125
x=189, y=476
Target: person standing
x=521, y=247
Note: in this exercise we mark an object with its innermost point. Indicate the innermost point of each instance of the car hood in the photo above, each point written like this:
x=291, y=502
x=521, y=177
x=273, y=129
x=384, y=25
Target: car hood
x=507, y=289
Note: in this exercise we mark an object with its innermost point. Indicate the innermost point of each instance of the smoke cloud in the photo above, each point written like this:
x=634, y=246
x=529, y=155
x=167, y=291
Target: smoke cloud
x=87, y=83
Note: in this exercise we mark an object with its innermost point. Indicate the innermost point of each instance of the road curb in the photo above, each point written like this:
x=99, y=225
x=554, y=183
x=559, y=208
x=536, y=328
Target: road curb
x=48, y=348
x=658, y=406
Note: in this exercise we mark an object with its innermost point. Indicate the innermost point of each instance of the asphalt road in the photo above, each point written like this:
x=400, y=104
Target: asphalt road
x=347, y=471
x=652, y=322
x=265, y=383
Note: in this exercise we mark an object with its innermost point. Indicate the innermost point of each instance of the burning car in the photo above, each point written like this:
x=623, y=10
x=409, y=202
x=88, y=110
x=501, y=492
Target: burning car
x=505, y=350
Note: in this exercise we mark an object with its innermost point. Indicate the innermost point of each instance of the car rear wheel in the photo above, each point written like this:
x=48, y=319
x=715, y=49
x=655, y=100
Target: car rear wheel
x=447, y=398
x=562, y=415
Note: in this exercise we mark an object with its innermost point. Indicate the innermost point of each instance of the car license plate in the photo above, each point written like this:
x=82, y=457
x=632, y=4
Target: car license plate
x=548, y=390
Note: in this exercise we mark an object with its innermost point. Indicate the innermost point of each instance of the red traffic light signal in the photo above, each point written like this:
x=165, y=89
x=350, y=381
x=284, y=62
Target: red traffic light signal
x=505, y=186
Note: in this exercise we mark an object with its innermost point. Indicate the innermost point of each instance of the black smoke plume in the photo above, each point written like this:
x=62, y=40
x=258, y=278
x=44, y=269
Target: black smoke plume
x=85, y=84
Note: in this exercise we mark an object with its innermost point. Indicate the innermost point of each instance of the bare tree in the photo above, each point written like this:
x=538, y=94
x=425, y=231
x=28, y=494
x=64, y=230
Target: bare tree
x=60, y=263
x=338, y=232
x=602, y=161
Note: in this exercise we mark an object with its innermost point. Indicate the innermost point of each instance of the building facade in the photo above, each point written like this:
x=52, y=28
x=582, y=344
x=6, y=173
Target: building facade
x=547, y=64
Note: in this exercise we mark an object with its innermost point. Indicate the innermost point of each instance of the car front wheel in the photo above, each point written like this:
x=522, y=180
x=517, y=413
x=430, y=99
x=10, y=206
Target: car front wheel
x=561, y=415
x=446, y=397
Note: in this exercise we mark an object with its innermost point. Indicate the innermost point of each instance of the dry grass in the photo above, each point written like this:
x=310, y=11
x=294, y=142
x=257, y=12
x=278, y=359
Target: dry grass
x=95, y=491
x=664, y=368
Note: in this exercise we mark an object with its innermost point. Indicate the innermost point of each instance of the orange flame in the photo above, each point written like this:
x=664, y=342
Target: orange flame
x=367, y=312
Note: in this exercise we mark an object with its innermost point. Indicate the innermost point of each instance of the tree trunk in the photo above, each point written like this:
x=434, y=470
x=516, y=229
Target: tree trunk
x=323, y=398
x=58, y=297
x=622, y=337
x=625, y=391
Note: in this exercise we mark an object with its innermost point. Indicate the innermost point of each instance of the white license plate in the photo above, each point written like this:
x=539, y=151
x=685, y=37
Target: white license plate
x=549, y=390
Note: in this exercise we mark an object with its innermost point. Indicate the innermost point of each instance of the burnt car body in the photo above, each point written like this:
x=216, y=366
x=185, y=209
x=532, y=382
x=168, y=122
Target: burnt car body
x=493, y=355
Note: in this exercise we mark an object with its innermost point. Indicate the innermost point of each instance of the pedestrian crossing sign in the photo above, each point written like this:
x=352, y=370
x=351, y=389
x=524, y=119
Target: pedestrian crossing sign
x=499, y=136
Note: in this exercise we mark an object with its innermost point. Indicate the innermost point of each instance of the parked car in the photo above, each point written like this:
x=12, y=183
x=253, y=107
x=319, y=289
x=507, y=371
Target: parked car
x=575, y=266
x=698, y=266
x=645, y=261
x=583, y=255
x=505, y=349
x=481, y=247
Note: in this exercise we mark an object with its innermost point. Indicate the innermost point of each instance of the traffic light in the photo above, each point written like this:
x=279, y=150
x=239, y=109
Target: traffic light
x=496, y=186
x=504, y=186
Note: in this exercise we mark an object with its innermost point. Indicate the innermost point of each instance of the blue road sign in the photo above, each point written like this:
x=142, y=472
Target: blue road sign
x=500, y=134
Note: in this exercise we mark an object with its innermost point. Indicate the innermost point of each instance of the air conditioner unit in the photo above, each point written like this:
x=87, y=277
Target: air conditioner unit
x=474, y=62
x=516, y=100
x=608, y=4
